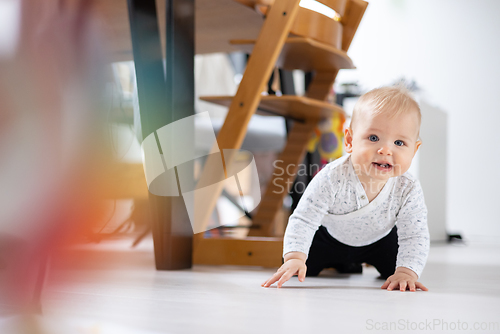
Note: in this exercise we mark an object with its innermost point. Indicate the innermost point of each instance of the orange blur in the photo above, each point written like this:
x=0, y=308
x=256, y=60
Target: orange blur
x=54, y=157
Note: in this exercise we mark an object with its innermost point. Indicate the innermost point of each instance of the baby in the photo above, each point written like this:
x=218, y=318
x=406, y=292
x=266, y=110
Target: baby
x=365, y=207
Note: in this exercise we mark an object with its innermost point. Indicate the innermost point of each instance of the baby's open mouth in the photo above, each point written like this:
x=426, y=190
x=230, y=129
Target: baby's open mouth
x=384, y=167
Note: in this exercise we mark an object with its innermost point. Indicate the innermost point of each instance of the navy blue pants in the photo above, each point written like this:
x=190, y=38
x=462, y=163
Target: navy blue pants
x=328, y=252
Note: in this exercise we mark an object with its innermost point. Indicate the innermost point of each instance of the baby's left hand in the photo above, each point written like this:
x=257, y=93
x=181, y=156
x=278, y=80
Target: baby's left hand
x=404, y=278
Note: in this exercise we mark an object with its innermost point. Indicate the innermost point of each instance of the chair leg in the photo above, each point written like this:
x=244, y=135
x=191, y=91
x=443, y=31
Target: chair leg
x=321, y=84
x=260, y=65
x=282, y=179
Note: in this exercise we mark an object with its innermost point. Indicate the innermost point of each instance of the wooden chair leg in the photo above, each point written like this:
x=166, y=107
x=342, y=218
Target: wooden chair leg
x=321, y=84
x=283, y=177
x=260, y=65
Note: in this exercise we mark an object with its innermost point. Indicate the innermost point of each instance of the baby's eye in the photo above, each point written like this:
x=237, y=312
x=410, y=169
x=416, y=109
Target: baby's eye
x=373, y=138
x=399, y=143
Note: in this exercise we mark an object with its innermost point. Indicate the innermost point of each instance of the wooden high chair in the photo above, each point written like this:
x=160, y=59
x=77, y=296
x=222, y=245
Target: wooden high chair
x=291, y=38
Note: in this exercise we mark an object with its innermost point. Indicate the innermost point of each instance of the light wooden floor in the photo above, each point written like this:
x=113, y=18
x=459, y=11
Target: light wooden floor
x=116, y=290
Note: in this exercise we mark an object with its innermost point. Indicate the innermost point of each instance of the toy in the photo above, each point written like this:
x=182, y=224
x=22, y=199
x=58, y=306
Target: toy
x=329, y=135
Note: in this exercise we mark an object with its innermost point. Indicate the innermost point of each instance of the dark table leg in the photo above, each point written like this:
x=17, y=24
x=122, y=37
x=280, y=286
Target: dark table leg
x=163, y=100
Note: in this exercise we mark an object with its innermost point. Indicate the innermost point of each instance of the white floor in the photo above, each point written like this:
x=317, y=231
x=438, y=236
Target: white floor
x=117, y=290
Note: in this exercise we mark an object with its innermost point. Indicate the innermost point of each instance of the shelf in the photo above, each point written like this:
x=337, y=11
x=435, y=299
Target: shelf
x=300, y=53
x=290, y=106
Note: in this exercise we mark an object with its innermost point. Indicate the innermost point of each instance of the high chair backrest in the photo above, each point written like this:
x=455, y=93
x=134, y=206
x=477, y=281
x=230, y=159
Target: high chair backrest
x=337, y=30
x=320, y=27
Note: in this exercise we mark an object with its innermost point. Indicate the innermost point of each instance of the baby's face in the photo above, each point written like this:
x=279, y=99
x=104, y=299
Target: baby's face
x=382, y=147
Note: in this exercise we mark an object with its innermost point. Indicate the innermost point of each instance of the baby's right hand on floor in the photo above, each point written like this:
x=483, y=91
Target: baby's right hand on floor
x=287, y=270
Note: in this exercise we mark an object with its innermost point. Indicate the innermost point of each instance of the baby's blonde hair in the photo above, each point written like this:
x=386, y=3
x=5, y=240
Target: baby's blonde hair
x=394, y=100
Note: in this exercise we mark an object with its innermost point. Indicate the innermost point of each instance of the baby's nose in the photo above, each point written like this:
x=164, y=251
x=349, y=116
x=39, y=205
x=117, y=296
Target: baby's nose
x=384, y=150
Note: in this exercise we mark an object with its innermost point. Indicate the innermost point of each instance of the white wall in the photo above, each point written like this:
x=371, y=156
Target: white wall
x=452, y=49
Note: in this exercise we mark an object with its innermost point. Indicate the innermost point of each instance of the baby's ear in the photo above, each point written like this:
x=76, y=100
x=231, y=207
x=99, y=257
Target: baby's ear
x=348, y=140
x=417, y=145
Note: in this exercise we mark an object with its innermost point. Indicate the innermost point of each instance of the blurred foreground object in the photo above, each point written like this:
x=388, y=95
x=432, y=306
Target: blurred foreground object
x=51, y=140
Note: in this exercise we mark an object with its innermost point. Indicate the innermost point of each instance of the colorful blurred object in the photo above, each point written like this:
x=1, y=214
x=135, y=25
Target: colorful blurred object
x=53, y=153
x=328, y=138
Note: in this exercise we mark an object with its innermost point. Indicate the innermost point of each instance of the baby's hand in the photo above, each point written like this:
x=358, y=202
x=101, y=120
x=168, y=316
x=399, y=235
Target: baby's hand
x=403, y=278
x=292, y=266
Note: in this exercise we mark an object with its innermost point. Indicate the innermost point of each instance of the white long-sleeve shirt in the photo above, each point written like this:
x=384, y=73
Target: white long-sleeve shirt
x=336, y=199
